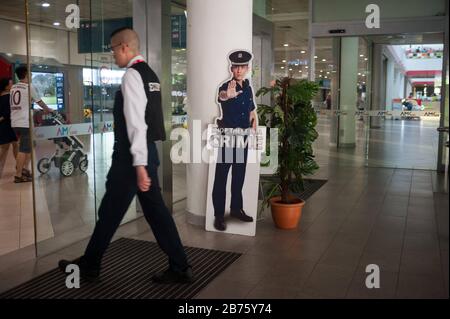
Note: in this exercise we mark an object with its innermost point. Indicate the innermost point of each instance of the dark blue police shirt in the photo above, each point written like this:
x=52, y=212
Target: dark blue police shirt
x=236, y=111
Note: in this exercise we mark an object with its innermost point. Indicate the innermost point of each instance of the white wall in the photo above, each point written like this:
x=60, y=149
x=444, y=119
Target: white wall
x=49, y=43
x=400, y=85
x=45, y=42
x=423, y=64
x=13, y=38
x=415, y=64
x=75, y=57
x=408, y=88
x=390, y=83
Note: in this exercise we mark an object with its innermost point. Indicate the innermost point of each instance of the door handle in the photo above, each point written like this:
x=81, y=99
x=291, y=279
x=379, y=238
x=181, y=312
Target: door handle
x=443, y=129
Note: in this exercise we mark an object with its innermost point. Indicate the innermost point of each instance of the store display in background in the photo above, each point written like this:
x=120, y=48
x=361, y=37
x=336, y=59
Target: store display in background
x=424, y=53
x=50, y=86
x=179, y=28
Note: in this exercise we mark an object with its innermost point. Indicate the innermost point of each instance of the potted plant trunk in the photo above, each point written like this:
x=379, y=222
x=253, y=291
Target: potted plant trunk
x=293, y=115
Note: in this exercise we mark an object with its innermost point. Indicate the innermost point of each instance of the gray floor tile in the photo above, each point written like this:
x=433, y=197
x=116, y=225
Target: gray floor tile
x=224, y=290
x=328, y=282
x=309, y=249
x=420, y=226
x=387, y=260
x=290, y=273
x=387, y=285
x=421, y=243
x=421, y=263
x=270, y=292
x=389, y=224
x=388, y=241
x=342, y=255
x=420, y=287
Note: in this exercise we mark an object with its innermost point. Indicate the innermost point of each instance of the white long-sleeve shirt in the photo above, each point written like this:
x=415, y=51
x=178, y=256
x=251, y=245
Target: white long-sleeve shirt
x=134, y=105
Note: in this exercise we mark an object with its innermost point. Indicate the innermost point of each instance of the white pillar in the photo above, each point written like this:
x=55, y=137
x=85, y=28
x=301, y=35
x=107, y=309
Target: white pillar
x=215, y=28
x=348, y=94
x=389, y=85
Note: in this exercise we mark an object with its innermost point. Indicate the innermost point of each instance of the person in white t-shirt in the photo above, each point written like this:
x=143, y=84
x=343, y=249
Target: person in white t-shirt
x=20, y=121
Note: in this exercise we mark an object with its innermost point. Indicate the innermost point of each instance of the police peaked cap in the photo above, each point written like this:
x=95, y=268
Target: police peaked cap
x=240, y=57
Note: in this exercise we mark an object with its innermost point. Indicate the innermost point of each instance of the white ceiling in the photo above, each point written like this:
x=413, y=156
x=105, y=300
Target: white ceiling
x=95, y=9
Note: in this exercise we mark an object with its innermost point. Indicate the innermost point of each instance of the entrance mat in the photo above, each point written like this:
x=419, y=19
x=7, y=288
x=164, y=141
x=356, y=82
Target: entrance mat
x=128, y=266
x=311, y=185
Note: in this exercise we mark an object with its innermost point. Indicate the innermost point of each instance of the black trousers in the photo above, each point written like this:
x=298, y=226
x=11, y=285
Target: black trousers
x=236, y=159
x=121, y=188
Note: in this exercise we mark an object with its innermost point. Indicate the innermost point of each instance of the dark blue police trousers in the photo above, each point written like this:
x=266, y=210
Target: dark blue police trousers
x=121, y=188
x=236, y=159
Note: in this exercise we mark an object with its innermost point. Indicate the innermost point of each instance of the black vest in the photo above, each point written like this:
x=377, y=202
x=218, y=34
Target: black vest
x=153, y=113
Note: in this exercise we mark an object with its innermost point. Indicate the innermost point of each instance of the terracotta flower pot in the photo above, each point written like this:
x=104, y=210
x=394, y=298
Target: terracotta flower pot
x=286, y=216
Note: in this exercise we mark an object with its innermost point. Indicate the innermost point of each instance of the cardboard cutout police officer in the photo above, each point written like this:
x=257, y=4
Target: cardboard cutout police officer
x=238, y=112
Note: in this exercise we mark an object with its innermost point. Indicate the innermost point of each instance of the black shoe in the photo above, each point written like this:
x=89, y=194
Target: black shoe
x=170, y=276
x=241, y=215
x=219, y=223
x=22, y=179
x=89, y=274
x=26, y=173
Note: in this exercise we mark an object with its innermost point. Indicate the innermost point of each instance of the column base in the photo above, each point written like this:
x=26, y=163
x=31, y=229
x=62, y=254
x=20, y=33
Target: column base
x=195, y=219
x=347, y=145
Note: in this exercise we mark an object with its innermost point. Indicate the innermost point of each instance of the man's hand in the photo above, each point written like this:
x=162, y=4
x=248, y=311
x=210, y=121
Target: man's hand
x=253, y=120
x=44, y=107
x=143, y=181
x=231, y=90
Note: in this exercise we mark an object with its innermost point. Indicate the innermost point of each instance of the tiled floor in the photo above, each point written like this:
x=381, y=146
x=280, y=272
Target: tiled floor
x=361, y=216
x=16, y=214
x=409, y=144
x=394, y=218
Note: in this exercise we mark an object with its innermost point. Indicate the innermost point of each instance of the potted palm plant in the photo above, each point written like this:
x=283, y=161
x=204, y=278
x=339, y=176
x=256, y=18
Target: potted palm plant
x=295, y=118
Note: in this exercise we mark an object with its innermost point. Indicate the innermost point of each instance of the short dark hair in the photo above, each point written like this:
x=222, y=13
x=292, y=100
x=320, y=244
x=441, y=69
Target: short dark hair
x=22, y=72
x=4, y=82
x=119, y=30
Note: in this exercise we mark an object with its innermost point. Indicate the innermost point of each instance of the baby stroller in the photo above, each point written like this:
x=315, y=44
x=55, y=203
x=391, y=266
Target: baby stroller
x=69, y=152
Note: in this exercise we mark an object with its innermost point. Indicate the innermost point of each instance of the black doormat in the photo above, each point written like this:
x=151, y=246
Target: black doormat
x=128, y=266
x=311, y=185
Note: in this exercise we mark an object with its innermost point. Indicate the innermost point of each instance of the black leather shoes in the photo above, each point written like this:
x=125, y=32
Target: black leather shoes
x=219, y=223
x=89, y=274
x=170, y=276
x=241, y=215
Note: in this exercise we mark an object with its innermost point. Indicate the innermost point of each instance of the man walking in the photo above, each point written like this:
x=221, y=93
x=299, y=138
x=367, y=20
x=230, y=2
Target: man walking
x=138, y=123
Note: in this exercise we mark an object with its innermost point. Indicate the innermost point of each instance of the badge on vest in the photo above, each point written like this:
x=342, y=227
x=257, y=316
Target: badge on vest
x=154, y=87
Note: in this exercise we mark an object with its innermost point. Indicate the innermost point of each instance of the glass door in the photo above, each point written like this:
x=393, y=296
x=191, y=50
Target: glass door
x=443, y=157
x=63, y=152
x=382, y=106
x=101, y=82
x=341, y=68
x=71, y=69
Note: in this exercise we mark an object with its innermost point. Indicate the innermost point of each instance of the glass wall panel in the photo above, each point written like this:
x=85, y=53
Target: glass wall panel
x=102, y=81
x=379, y=99
x=179, y=91
x=16, y=208
x=63, y=152
x=72, y=71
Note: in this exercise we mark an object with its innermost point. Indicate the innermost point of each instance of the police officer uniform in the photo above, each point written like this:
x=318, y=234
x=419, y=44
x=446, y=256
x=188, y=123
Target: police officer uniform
x=235, y=114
